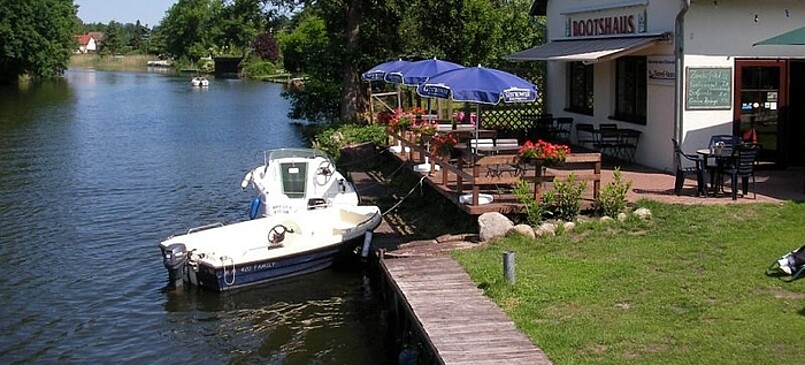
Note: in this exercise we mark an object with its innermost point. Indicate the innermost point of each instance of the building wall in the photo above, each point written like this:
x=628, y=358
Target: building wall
x=654, y=145
x=716, y=32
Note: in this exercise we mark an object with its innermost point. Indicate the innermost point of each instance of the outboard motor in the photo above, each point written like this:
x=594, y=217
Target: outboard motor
x=174, y=257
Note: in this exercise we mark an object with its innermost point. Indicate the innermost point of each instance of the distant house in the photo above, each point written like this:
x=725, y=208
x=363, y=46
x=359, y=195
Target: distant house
x=98, y=37
x=86, y=43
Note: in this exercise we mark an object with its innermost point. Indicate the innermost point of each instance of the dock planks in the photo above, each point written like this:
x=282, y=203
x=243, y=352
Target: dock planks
x=460, y=324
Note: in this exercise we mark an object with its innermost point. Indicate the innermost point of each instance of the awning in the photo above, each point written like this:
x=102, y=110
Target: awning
x=794, y=37
x=587, y=50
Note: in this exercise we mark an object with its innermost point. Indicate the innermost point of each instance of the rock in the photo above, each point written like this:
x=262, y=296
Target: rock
x=622, y=216
x=492, y=225
x=606, y=218
x=643, y=213
x=569, y=226
x=545, y=229
x=522, y=229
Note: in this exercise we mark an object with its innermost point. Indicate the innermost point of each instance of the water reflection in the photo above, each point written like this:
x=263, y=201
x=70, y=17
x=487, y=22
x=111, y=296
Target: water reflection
x=95, y=170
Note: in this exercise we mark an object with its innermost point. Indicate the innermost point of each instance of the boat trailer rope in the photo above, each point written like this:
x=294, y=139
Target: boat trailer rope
x=407, y=195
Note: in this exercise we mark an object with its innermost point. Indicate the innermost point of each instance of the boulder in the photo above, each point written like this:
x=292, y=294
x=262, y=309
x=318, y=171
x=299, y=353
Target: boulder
x=545, y=229
x=492, y=225
x=521, y=229
x=569, y=226
x=622, y=216
x=642, y=213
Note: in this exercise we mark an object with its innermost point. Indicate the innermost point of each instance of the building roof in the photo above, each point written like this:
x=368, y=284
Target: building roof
x=539, y=8
x=98, y=36
x=83, y=39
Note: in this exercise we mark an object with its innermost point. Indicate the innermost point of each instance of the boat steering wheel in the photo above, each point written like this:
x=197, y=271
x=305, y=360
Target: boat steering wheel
x=277, y=234
x=326, y=170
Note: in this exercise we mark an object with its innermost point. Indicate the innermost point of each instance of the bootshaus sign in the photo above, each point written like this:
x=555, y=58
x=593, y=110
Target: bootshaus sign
x=585, y=26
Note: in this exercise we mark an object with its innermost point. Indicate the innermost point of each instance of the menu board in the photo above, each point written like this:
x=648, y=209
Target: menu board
x=709, y=88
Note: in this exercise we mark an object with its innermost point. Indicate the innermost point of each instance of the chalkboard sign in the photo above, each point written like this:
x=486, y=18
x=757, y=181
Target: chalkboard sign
x=709, y=88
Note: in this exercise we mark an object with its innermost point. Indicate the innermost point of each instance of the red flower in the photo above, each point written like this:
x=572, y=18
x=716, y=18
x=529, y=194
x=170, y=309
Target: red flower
x=442, y=144
x=542, y=150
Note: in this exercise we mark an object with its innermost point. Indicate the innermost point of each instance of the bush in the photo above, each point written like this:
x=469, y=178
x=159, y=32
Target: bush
x=336, y=136
x=564, y=201
x=534, y=210
x=612, y=197
x=256, y=68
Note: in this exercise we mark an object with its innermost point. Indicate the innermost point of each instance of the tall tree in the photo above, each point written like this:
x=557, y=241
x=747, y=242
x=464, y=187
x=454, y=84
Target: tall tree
x=36, y=37
x=236, y=25
x=114, y=39
x=185, y=28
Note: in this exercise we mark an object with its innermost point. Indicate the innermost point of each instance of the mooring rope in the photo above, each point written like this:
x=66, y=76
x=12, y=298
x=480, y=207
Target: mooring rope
x=406, y=196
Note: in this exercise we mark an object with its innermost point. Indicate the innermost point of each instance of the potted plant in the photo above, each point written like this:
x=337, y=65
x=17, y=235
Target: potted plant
x=543, y=152
x=442, y=144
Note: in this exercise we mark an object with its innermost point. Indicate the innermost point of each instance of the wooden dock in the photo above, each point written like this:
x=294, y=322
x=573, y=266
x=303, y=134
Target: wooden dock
x=455, y=319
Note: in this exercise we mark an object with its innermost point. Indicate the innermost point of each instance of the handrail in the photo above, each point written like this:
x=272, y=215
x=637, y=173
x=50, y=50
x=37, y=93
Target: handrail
x=205, y=227
x=473, y=179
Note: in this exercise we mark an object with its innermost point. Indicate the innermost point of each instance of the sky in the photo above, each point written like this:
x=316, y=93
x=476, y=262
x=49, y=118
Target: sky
x=148, y=12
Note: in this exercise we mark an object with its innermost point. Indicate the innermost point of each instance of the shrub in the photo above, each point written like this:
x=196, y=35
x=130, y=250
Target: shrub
x=332, y=138
x=533, y=208
x=564, y=201
x=255, y=68
x=612, y=197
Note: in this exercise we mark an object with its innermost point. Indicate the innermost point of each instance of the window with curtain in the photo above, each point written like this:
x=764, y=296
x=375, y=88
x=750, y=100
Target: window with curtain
x=580, y=90
x=631, y=89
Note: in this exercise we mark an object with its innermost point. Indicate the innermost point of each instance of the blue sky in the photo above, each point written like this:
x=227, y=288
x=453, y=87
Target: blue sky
x=149, y=12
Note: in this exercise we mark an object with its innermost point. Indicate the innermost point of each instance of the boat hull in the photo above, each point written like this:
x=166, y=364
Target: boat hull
x=226, y=257
x=267, y=271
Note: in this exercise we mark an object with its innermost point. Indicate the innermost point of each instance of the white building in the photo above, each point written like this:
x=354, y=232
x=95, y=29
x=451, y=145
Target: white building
x=684, y=69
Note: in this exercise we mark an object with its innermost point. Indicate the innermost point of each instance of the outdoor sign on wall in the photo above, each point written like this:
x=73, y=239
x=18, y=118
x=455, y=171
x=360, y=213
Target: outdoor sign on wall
x=661, y=70
x=709, y=88
x=608, y=25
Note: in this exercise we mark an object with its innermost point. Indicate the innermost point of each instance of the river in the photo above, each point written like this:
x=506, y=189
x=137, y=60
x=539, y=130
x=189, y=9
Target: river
x=95, y=170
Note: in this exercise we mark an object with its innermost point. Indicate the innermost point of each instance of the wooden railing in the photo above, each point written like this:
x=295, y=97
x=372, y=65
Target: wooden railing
x=503, y=169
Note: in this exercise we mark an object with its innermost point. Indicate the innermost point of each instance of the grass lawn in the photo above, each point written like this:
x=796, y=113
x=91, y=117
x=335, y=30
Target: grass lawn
x=687, y=287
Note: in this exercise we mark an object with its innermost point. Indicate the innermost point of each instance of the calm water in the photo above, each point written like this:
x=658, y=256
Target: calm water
x=95, y=170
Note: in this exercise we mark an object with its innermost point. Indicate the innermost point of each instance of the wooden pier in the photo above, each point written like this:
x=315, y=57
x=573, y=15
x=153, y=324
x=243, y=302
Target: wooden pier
x=455, y=319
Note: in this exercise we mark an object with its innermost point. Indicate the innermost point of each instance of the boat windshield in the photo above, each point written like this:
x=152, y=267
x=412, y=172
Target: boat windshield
x=283, y=153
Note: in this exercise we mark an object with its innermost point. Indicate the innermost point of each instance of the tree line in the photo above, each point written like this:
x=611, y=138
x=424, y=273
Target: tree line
x=330, y=42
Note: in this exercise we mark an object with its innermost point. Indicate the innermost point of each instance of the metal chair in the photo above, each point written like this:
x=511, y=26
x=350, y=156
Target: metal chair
x=564, y=125
x=682, y=170
x=743, y=166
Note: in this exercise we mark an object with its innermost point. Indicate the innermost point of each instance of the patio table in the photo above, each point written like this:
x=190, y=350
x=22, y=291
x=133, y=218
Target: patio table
x=722, y=158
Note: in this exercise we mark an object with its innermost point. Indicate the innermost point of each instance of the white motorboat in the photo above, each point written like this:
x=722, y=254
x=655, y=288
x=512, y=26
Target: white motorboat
x=305, y=216
x=223, y=257
x=297, y=179
x=200, y=81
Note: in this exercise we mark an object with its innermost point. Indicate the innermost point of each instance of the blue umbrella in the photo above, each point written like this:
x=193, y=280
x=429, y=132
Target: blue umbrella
x=479, y=85
x=378, y=72
x=418, y=72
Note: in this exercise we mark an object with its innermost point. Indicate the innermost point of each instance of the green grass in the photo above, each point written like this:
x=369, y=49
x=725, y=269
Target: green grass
x=686, y=287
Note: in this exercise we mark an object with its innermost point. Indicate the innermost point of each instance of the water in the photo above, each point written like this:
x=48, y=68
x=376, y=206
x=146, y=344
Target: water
x=95, y=170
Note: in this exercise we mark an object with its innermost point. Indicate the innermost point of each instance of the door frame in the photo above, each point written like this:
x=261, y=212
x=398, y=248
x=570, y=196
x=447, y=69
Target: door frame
x=779, y=160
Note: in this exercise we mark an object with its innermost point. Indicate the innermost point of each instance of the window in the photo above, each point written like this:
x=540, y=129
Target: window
x=580, y=81
x=631, y=90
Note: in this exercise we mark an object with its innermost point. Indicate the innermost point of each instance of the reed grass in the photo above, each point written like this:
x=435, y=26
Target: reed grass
x=110, y=63
x=687, y=287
